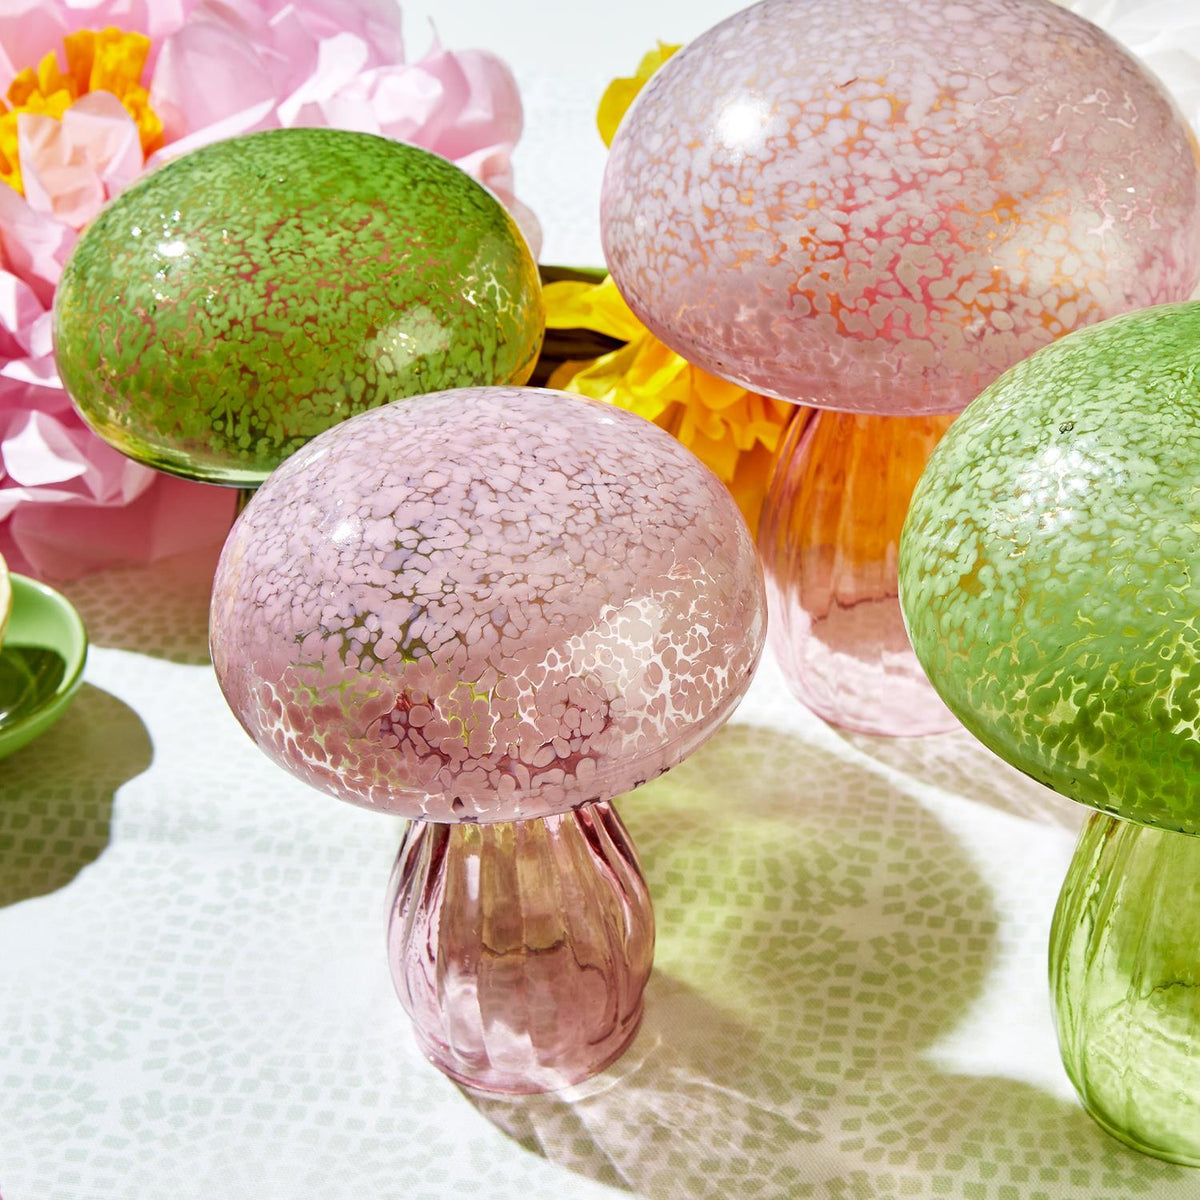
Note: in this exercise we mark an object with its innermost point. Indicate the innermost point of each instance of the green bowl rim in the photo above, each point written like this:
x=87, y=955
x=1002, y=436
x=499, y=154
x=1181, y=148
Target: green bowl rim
x=73, y=676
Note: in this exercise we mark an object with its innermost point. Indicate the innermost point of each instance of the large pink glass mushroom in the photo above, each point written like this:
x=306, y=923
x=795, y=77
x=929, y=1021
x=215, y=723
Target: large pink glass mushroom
x=877, y=208
x=491, y=610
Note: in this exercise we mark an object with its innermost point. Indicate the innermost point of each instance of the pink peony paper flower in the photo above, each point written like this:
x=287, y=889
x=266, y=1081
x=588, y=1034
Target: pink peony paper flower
x=99, y=90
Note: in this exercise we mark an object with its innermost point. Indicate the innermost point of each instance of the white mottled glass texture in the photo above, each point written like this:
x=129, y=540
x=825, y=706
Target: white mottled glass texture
x=880, y=206
x=487, y=604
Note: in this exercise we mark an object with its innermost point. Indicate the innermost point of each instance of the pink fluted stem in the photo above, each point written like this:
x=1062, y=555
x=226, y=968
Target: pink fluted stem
x=521, y=948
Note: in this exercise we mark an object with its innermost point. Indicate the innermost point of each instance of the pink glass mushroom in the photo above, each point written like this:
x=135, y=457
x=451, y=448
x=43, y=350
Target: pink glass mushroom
x=491, y=610
x=878, y=208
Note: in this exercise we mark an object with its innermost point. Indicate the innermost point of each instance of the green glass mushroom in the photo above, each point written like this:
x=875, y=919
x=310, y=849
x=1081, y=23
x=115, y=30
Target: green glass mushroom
x=1050, y=581
x=235, y=303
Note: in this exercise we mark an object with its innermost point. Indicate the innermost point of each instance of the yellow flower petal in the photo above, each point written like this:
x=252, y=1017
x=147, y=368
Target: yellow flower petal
x=10, y=151
x=108, y=60
x=733, y=431
x=25, y=85
x=620, y=94
x=598, y=306
x=113, y=61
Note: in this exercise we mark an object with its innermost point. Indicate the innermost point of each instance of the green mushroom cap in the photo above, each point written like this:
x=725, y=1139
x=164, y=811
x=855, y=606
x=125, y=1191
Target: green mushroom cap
x=1050, y=567
x=249, y=295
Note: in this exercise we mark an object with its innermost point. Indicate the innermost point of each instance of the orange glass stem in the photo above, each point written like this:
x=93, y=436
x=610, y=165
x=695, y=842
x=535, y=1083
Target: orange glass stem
x=830, y=537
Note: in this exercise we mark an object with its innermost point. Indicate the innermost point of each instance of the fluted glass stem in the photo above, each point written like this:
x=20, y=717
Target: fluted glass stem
x=521, y=949
x=830, y=537
x=1125, y=983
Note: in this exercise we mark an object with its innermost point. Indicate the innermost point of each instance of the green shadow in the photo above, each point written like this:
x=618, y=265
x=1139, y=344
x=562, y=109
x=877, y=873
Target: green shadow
x=818, y=931
x=56, y=795
x=962, y=765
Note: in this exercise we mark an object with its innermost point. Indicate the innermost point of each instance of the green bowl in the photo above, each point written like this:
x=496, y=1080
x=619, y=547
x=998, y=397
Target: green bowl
x=41, y=662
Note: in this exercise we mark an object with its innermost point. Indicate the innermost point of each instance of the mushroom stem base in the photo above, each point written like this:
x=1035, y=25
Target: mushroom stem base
x=521, y=949
x=1125, y=984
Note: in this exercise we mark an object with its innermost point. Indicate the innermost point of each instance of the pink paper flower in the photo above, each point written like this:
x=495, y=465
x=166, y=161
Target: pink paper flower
x=213, y=69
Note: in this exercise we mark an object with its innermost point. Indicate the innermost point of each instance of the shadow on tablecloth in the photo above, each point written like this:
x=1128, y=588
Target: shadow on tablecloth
x=56, y=795
x=160, y=610
x=818, y=931
x=960, y=764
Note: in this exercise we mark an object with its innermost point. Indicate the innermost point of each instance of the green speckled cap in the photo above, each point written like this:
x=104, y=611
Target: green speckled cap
x=251, y=294
x=1050, y=567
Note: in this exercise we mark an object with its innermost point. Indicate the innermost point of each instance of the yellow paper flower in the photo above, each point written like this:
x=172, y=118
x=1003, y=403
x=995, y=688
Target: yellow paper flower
x=733, y=431
x=110, y=60
x=619, y=94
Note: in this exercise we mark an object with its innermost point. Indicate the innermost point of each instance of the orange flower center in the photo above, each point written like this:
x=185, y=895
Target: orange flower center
x=108, y=60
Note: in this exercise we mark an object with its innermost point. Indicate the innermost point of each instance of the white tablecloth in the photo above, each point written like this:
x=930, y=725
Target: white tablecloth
x=850, y=993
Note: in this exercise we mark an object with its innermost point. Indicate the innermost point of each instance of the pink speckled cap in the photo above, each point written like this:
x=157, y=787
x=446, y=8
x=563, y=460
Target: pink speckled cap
x=487, y=604
x=880, y=206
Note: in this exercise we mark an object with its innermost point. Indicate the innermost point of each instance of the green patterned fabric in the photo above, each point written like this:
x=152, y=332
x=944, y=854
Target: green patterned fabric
x=848, y=1001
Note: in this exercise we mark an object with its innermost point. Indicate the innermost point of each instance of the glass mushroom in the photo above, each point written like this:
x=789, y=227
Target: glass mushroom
x=492, y=610
x=875, y=208
x=241, y=299
x=1050, y=578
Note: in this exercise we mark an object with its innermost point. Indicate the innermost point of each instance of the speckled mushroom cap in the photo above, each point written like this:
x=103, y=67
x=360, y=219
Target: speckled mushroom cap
x=487, y=604
x=1050, y=567
x=880, y=206
x=249, y=295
